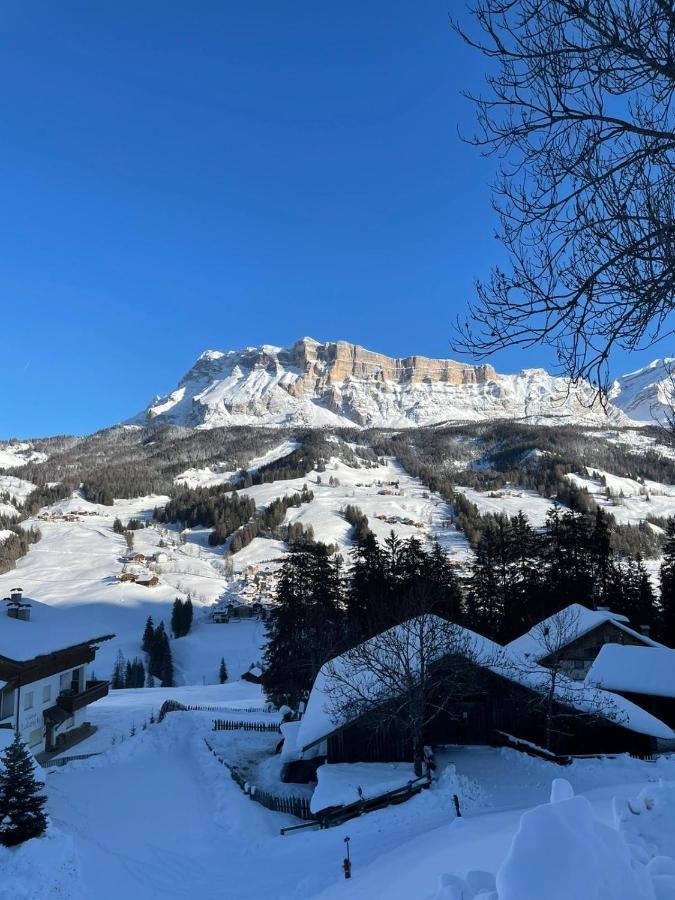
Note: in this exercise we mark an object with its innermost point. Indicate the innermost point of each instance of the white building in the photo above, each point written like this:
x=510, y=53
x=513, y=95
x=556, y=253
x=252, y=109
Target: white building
x=44, y=691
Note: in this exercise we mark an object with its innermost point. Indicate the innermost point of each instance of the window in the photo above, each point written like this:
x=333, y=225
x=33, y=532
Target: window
x=579, y=664
x=28, y=700
x=35, y=737
x=7, y=704
x=64, y=681
x=46, y=693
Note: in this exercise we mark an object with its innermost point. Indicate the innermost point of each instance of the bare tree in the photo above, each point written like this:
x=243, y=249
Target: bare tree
x=406, y=676
x=555, y=695
x=579, y=111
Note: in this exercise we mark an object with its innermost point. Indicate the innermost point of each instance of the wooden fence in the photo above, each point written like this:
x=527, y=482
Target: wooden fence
x=174, y=706
x=64, y=760
x=338, y=815
x=242, y=725
x=291, y=804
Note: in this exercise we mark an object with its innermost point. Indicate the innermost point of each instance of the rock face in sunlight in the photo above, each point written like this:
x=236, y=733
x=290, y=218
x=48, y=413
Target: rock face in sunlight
x=342, y=384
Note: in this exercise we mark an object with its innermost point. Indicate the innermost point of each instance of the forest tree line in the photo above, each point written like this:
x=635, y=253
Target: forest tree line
x=519, y=576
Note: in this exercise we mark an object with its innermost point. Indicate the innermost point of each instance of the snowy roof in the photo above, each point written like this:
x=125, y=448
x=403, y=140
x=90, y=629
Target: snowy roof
x=637, y=670
x=580, y=621
x=48, y=630
x=320, y=720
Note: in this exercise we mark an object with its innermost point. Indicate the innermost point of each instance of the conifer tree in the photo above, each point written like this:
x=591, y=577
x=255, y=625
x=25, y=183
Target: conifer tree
x=600, y=554
x=188, y=614
x=177, y=618
x=22, y=815
x=159, y=642
x=222, y=671
x=117, y=680
x=148, y=635
x=303, y=626
x=166, y=674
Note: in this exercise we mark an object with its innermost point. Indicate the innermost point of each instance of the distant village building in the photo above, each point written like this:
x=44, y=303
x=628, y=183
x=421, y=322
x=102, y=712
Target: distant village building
x=44, y=691
x=236, y=611
x=253, y=675
x=148, y=580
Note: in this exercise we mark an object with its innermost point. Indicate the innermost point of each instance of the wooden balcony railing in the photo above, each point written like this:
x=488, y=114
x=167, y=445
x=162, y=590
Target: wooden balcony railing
x=70, y=701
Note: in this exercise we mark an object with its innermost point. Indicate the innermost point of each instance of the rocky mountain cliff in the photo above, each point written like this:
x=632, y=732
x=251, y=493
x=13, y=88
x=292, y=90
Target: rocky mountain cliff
x=342, y=384
x=647, y=395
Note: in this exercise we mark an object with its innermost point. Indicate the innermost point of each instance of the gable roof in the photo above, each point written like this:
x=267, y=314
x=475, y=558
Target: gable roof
x=48, y=630
x=320, y=720
x=583, y=619
x=636, y=670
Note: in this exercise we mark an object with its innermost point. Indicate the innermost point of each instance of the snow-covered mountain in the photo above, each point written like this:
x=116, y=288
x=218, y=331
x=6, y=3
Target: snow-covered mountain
x=647, y=395
x=338, y=384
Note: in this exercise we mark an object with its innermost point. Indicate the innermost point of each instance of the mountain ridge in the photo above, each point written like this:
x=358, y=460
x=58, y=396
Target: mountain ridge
x=338, y=384
x=648, y=394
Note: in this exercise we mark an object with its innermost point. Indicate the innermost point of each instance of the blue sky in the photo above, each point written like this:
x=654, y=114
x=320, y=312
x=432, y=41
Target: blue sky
x=181, y=176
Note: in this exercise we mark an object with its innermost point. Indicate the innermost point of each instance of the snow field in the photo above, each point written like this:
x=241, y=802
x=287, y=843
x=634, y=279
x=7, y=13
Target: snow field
x=210, y=476
x=510, y=502
x=638, y=501
x=15, y=455
x=17, y=488
x=76, y=564
x=371, y=490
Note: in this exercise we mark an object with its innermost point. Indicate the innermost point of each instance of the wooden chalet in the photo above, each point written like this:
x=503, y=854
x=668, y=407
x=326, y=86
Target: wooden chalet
x=586, y=632
x=44, y=690
x=499, y=703
x=253, y=675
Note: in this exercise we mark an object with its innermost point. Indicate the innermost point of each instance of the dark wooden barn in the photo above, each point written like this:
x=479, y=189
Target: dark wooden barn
x=501, y=704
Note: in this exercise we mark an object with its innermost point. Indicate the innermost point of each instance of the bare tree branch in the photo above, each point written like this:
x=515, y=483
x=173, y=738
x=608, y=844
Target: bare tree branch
x=578, y=112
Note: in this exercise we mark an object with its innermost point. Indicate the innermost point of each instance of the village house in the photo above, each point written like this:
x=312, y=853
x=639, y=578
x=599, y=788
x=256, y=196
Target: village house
x=44, y=690
x=253, y=675
x=577, y=635
x=500, y=703
x=148, y=580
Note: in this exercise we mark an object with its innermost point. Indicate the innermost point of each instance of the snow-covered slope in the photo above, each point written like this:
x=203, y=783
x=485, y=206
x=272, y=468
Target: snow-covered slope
x=14, y=454
x=648, y=394
x=337, y=384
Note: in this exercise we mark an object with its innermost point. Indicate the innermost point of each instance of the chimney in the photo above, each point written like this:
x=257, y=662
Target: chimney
x=16, y=607
x=12, y=611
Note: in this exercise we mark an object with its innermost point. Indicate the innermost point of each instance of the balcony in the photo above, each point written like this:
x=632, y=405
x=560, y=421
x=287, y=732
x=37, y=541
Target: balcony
x=71, y=701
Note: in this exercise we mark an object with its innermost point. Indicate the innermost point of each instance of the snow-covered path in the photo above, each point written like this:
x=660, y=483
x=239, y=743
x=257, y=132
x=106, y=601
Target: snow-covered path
x=142, y=830
x=158, y=817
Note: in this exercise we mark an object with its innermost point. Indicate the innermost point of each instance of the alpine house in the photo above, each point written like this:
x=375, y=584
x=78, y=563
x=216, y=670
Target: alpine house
x=44, y=691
